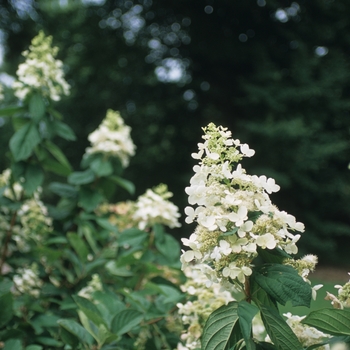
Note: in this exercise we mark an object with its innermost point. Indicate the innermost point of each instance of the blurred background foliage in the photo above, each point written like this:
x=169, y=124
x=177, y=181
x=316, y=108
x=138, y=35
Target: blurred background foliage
x=275, y=72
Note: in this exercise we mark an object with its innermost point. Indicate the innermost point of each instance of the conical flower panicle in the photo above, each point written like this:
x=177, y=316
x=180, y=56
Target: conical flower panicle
x=234, y=213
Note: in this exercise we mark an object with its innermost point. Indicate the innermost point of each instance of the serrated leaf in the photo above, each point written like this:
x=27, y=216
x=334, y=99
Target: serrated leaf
x=259, y=295
x=23, y=141
x=331, y=321
x=219, y=326
x=283, y=283
x=76, y=329
x=36, y=107
x=276, y=255
x=246, y=313
x=125, y=320
x=280, y=333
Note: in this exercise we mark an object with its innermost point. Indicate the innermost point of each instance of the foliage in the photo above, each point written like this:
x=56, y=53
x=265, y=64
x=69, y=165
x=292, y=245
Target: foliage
x=78, y=273
x=275, y=72
x=83, y=273
x=244, y=244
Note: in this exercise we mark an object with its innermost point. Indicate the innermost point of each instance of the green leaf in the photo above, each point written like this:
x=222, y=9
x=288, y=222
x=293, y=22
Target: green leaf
x=34, y=177
x=331, y=321
x=132, y=237
x=283, y=283
x=5, y=286
x=90, y=310
x=79, y=245
x=230, y=233
x=166, y=244
x=23, y=141
x=85, y=228
x=108, y=304
x=63, y=130
x=218, y=328
x=127, y=185
x=125, y=320
x=8, y=111
x=105, y=223
x=246, y=313
x=6, y=305
x=58, y=155
x=89, y=199
x=101, y=167
x=81, y=177
x=34, y=347
x=260, y=296
x=36, y=107
x=77, y=330
x=12, y=344
x=171, y=294
x=55, y=167
x=122, y=271
x=278, y=330
x=276, y=255
x=63, y=190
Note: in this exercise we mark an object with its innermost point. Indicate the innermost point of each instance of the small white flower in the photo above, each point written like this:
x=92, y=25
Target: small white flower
x=315, y=289
x=234, y=272
x=248, y=152
x=189, y=255
x=239, y=217
x=266, y=240
x=246, y=227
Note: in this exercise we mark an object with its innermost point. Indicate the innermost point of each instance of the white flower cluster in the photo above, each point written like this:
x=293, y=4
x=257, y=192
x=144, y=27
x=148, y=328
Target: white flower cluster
x=93, y=286
x=27, y=281
x=153, y=207
x=307, y=335
x=196, y=312
x=343, y=299
x=41, y=71
x=33, y=222
x=304, y=266
x=233, y=210
x=112, y=137
x=36, y=224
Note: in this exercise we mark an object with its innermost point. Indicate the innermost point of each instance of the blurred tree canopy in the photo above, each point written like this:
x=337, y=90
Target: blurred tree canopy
x=276, y=73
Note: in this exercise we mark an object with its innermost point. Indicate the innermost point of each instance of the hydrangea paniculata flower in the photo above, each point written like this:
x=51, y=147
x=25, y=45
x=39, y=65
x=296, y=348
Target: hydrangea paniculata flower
x=153, y=207
x=41, y=71
x=204, y=300
x=343, y=299
x=234, y=213
x=113, y=138
x=307, y=335
x=27, y=281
